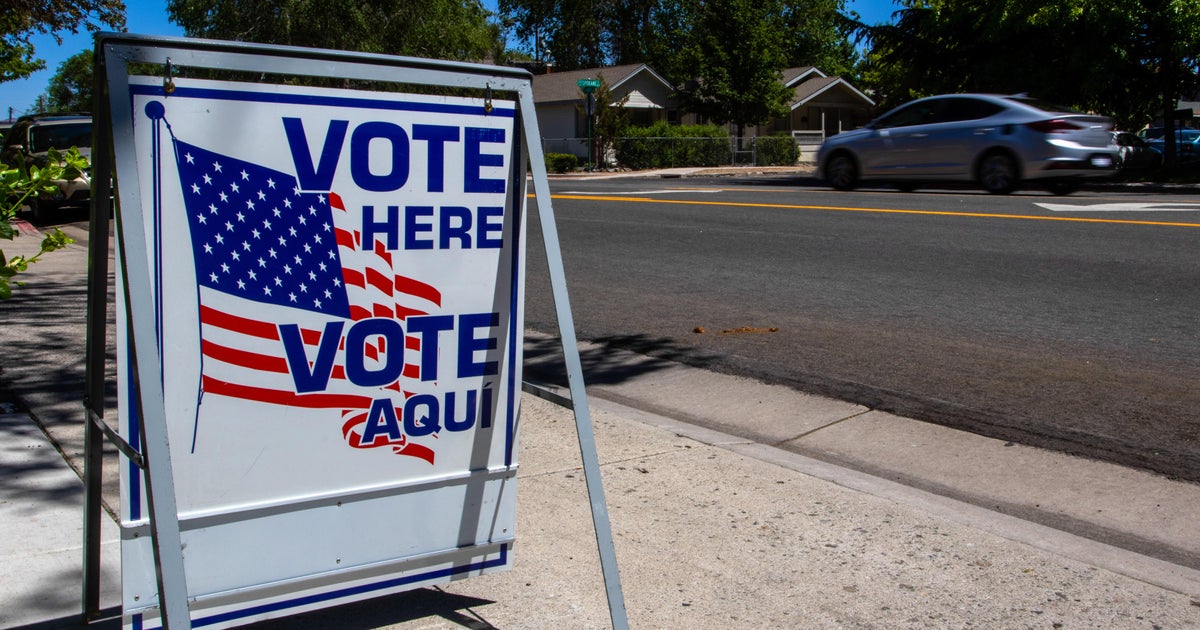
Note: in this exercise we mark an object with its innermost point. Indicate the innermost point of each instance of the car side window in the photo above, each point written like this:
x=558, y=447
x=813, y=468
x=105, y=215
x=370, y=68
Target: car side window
x=60, y=137
x=958, y=109
x=919, y=113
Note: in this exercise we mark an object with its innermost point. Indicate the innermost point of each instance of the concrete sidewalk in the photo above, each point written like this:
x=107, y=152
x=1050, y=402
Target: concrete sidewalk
x=41, y=532
x=733, y=504
x=711, y=531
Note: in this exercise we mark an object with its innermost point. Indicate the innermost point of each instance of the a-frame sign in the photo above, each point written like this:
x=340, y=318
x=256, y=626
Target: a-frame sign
x=320, y=303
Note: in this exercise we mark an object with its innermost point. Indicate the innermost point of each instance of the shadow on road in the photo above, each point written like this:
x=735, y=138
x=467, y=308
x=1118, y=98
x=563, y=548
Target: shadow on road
x=544, y=360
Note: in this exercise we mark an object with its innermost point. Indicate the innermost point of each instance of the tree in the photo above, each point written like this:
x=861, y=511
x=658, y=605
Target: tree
x=818, y=34
x=1129, y=59
x=70, y=89
x=573, y=34
x=736, y=52
x=569, y=35
x=441, y=29
x=726, y=55
x=25, y=18
x=18, y=183
x=610, y=119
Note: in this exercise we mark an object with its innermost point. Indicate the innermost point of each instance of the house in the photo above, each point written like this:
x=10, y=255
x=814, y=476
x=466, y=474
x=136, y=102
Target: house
x=822, y=106
x=558, y=102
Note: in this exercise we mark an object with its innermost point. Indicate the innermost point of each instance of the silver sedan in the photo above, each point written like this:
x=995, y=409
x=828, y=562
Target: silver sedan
x=997, y=141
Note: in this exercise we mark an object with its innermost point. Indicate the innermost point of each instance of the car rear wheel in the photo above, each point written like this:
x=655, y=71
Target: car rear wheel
x=998, y=173
x=841, y=172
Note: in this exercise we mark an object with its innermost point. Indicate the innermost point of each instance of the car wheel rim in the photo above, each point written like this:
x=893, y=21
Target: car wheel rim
x=841, y=172
x=998, y=173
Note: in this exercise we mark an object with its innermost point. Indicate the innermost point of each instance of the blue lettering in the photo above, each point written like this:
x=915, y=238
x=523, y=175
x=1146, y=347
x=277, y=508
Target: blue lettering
x=453, y=423
x=487, y=412
x=468, y=344
x=460, y=231
x=390, y=227
x=413, y=229
x=430, y=227
x=491, y=221
x=381, y=420
x=429, y=342
x=315, y=379
x=437, y=136
x=319, y=177
x=476, y=160
x=393, y=356
x=360, y=156
x=428, y=424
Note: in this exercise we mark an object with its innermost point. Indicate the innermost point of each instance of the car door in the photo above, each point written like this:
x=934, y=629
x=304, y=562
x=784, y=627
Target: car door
x=894, y=150
x=950, y=145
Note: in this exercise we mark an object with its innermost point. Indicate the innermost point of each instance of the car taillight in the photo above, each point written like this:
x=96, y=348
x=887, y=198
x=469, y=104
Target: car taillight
x=1056, y=125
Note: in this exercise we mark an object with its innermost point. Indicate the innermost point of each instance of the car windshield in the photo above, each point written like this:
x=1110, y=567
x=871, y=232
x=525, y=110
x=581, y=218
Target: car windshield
x=61, y=137
x=1043, y=105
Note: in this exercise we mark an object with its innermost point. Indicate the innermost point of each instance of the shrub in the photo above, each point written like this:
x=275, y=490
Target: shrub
x=561, y=162
x=20, y=183
x=776, y=151
x=663, y=145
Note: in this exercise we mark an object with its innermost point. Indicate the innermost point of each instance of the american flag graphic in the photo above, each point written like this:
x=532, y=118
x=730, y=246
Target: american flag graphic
x=265, y=253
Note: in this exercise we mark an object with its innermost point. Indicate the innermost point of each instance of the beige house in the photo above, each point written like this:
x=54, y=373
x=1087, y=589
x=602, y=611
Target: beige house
x=822, y=106
x=824, y=103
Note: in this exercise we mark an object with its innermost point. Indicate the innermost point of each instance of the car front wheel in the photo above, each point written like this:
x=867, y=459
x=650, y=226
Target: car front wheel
x=998, y=173
x=841, y=172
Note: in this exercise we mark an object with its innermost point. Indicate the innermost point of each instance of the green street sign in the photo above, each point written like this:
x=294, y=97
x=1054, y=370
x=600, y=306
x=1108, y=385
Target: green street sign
x=588, y=85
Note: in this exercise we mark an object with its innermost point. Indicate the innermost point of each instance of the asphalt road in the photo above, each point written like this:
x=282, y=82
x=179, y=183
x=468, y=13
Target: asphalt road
x=1063, y=322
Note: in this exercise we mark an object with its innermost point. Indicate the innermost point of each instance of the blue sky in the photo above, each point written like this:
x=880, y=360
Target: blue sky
x=149, y=17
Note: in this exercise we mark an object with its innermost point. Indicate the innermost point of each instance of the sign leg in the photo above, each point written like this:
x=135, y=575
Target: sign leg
x=583, y=420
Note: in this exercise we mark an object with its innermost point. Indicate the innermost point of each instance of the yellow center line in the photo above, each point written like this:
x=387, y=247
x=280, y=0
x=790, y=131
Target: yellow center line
x=982, y=215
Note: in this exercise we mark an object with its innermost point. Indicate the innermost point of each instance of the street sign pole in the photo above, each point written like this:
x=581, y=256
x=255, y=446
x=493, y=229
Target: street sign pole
x=589, y=86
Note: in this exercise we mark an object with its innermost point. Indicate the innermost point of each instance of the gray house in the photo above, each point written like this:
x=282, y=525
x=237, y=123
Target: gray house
x=558, y=102
x=822, y=105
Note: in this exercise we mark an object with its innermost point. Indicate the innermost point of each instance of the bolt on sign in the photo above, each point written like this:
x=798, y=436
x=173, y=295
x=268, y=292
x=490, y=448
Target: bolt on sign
x=329, y=292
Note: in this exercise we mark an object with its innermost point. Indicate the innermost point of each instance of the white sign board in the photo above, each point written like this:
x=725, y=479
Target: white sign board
x=337, y=296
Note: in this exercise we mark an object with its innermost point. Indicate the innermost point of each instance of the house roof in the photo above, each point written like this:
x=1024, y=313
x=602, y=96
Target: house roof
x=809, y=90
x=558, y=87
x=562, y=87
x=793, y=76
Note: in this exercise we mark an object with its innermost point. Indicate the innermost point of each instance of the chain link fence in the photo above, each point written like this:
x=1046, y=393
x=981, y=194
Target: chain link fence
x=640, y=153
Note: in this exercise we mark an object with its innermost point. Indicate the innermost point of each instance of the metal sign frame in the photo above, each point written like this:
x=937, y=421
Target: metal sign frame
x=150, y=449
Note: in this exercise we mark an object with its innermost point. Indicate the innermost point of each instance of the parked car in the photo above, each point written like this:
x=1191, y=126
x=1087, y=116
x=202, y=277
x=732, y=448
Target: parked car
x=1134, y=153
x=997, y=141
x=28, y=142
x=1187, y=144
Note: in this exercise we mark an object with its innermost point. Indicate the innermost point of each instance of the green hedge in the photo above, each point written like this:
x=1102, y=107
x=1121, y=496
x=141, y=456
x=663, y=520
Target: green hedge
x=663, y=145
x=776, y=151
x=561, y=162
